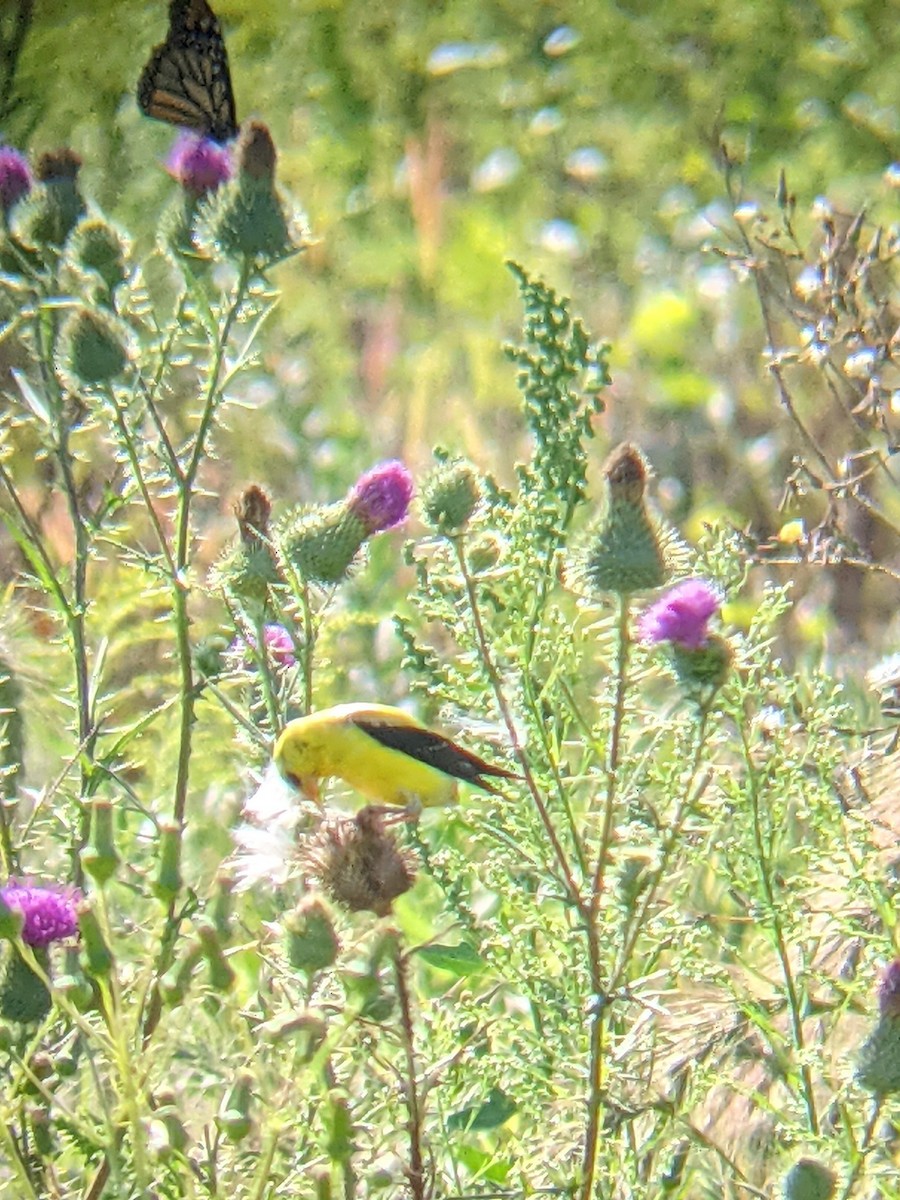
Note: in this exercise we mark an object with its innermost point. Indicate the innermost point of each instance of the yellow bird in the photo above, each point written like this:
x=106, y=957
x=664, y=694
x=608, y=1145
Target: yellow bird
x=380, y=751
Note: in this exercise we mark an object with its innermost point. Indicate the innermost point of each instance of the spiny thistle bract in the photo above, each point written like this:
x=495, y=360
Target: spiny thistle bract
x=625, y=552
x=12, y=730
x=450, y=495
x=46, y=217
x=878, y=1061
x=97, y=248
x=322, y=543
x=93, y=349
x=247, y=570
x=310, y=941
x=808, y=1180
x=247, y=218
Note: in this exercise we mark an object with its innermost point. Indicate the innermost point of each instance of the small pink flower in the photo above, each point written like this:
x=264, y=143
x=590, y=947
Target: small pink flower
x=681, y=615
x=49, y=913
x=278, y=644
x=199, y=164
x=15, y=177
x=380, y=497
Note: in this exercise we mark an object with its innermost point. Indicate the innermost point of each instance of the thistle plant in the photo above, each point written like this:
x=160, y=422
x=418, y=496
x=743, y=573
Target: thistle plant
x=625, y=973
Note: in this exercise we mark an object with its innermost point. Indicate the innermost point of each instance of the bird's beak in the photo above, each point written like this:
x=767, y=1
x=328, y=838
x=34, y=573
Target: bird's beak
x=306, y=785
x=309, y=787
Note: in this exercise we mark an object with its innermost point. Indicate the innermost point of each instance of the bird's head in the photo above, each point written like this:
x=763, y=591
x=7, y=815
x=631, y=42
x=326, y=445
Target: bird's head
x=296, y=759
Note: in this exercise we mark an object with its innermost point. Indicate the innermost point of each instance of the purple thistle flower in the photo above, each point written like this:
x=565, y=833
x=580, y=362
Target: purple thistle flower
x=380, y=498
x=278, y=644
x=889, y=990
x=681, y=615
x=15, y=177
x=49, y=913
x=199, y=164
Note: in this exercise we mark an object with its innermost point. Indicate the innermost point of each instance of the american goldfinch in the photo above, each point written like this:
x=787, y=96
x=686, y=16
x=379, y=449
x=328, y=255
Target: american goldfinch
x=380, y=751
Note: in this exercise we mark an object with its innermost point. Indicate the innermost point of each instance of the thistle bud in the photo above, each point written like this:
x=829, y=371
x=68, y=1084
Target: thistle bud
x=220, y=909
x=450, y=495
x=93, y=349
x=99, y=857
x=45, y=1143
x=625, y=552
x=221, y=976
x=247, y=218
x=878, y=1062
x=96, y=954
x=176, y=982
x=24, y=997
x=47, y=216
x=168, y=1134
x=808, y=1180
x=234, y=1119
x=247, y=571
x=210, y=655
x=339, y=1145
x=321, y=544
x=310, y=940
x=168, y=879
x=72, y=983
x=252, y=511
x=97, y=248
x=704, y=669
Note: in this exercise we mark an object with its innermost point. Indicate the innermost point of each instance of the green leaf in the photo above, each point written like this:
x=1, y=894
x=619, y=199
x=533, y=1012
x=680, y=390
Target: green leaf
x=484, y=1165
x=497, y=1109
x=459, y=960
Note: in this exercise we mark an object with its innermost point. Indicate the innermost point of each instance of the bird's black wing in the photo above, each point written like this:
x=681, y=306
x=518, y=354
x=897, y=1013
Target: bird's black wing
x=434, y=751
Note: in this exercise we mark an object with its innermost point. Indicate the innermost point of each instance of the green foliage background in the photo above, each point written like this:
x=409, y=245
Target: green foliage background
x=607, y=118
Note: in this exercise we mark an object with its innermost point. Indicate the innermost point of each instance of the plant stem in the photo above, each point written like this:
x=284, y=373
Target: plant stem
x=180, y=587
x=685, y=803
x=781, y=947
x=493, y=675
x=592, y=932
x=864, y=1148
x=416, y=1171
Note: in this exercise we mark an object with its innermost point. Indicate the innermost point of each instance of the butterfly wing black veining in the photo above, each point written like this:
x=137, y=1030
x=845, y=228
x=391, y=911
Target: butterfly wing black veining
x=187, y=80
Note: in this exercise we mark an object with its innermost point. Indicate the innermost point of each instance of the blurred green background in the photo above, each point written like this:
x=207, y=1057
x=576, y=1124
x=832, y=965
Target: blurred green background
x=430, y=142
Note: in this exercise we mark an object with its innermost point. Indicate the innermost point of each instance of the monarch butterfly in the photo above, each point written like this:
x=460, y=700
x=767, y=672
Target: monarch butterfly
x=187, y=81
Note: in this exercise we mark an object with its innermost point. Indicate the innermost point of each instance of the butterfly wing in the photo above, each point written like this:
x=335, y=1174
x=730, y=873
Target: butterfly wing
x=187, y=81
